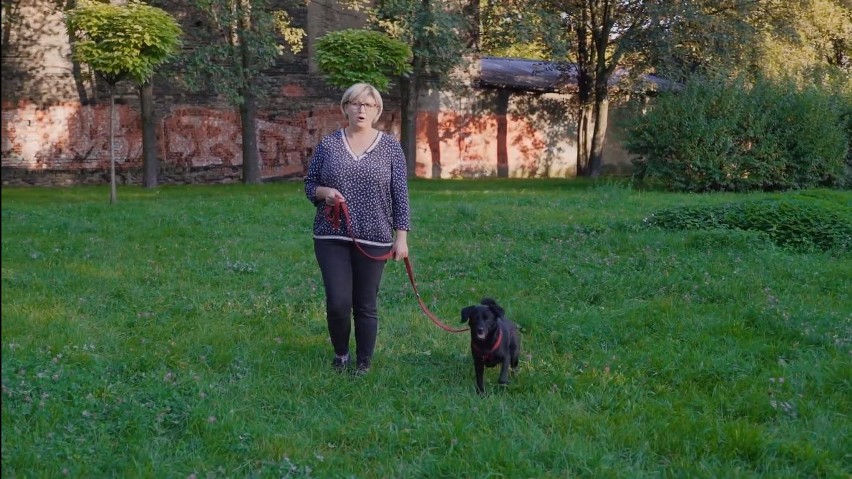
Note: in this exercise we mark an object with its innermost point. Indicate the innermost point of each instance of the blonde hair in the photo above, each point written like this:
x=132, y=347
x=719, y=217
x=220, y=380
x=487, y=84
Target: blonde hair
x=357, y=90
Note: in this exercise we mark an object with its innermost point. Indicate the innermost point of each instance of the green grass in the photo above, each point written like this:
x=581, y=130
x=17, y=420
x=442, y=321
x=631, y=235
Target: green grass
x=181, y=333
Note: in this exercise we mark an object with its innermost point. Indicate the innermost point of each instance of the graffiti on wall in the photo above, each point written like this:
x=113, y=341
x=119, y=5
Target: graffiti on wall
x=76, y=138
x=67, y=136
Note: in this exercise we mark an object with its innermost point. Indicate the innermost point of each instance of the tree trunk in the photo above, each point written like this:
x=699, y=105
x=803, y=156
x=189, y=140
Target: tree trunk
x=113, y=196
x=502, y=133
x=149, y=136
x=600, y=41
x=585, y=86
x=409, y=95
x=408, y=120
x=248, y=107
x=471, y=10
x=585, y=129
x=596, y=153
x=432, y=133
x=251, y=157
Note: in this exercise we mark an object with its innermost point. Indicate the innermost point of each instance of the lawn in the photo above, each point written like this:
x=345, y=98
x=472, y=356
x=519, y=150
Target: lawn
x=180, y=333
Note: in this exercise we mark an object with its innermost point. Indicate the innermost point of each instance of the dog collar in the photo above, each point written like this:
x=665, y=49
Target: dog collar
x=487, y=354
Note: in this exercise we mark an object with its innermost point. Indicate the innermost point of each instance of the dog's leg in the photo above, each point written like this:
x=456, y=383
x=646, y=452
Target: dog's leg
x=504, y=370
x=516, y=353
x=479, y=367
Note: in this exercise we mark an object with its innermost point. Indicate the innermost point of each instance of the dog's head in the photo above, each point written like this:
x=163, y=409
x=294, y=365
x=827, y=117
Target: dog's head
x=482, y=318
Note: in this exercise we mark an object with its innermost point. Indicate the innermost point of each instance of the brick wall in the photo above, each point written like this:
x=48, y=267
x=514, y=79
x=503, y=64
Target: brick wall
x=55, y=124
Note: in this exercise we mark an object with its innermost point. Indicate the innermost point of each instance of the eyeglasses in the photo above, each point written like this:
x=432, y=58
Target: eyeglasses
x=367, y=106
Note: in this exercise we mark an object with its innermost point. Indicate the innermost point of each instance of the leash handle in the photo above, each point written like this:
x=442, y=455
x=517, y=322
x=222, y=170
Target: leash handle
x=340, y=211
x=334, y=214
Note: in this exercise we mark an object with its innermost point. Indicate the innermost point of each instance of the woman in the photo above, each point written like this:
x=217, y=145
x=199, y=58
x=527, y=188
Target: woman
x=365, y=168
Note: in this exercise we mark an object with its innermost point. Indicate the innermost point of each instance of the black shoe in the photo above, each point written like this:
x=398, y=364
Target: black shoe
x=362, y=368
x=339, y=363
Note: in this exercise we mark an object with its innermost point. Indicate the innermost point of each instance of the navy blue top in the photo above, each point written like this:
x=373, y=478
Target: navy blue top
x=374, y=185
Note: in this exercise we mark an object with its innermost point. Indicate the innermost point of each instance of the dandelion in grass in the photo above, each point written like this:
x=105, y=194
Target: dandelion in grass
x=776, y=399
x=772, y=300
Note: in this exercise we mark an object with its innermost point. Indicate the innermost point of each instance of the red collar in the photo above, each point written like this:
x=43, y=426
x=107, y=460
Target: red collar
x=487, y=354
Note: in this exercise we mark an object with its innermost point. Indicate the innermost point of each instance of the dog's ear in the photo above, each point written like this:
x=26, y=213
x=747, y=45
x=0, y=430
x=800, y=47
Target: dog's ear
x=467, y=312
x=496, y=309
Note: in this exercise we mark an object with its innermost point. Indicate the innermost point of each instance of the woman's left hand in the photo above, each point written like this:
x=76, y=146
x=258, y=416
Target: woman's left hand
x=399, y=249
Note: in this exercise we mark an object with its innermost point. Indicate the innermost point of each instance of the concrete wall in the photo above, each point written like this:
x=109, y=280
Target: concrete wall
x=475, y=132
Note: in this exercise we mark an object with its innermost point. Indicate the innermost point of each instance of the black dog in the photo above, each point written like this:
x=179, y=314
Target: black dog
x=493, y=340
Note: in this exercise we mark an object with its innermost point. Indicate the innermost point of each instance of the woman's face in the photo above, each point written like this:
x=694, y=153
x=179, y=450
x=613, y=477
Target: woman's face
x=362, y=110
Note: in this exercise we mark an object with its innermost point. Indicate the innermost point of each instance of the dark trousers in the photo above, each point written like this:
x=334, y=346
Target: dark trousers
x=351, y=282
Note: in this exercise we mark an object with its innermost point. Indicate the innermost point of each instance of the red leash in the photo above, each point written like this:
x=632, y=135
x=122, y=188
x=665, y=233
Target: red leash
x=341, y=210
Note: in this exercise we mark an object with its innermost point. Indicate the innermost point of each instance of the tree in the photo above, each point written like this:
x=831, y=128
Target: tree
x=440, y=34
x=239, y=39
x=435, y=31
x=818, y=43
x=350, y=56
x=118, y=43
x=594, y=38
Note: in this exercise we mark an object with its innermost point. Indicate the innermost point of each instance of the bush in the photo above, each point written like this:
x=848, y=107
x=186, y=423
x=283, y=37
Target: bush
x=800, y=223
x=727, y=136
x=728, y=239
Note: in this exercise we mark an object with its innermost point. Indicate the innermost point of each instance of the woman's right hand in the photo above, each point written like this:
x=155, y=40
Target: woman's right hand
x=331, y=194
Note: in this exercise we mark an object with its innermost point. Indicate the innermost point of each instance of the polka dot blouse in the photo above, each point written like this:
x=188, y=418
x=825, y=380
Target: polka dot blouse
x=374, y=185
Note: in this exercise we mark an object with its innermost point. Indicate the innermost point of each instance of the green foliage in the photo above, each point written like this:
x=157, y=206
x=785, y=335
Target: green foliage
x=237, y=41
x=122, y=41
x=524, y=29
x=351, y=56
x=435, y=31
x=815, y=37
x=843, y=104
x=729, y=136
x=800, y=222
x=292, y=36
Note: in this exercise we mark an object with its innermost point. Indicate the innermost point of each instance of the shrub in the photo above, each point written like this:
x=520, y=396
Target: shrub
x=728, y=239
x=800, y=223
x=728, y=136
